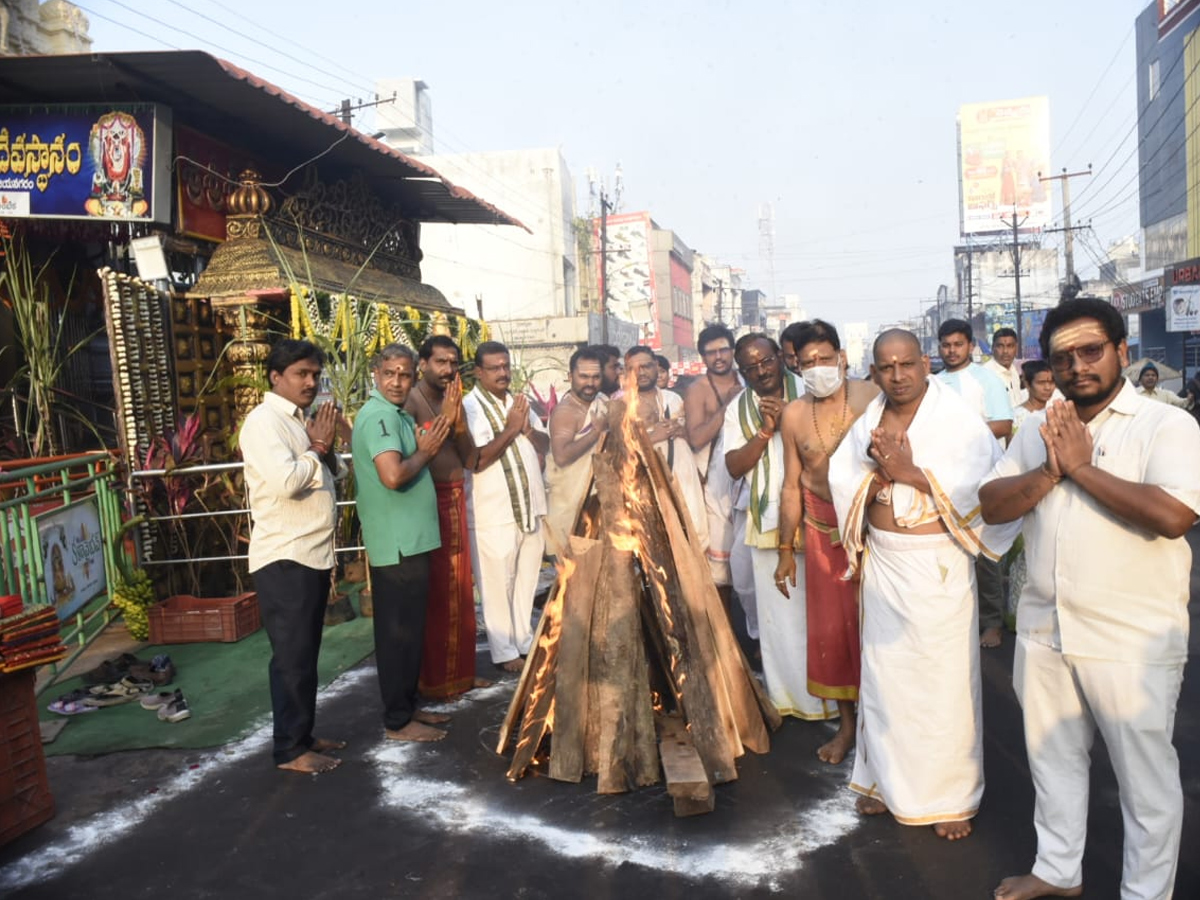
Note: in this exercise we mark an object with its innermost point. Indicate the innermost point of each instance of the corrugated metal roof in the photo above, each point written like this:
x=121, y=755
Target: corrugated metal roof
x=220, y=99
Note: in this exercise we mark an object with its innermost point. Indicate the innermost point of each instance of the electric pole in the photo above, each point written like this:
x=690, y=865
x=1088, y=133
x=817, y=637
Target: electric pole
x=346, y=110
x=1016, y=256
x=1069, y=244
x=605, y=208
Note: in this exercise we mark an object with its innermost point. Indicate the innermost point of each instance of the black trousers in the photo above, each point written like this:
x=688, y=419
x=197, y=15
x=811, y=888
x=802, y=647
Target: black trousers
x=292, y=599
x=989, y=584
x=400, y=593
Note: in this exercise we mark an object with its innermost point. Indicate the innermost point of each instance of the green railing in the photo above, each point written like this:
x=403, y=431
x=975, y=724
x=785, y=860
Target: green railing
x=55, y=485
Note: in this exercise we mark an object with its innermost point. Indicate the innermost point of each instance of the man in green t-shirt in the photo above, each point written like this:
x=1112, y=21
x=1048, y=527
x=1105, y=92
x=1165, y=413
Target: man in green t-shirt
x=397, y=506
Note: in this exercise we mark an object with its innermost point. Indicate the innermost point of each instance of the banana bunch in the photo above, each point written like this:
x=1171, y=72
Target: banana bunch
x=133, y=596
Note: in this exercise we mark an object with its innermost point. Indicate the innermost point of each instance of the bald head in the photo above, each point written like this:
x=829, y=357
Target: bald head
x=895, y=338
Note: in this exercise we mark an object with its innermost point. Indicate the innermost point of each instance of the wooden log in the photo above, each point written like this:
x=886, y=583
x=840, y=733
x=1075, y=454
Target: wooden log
x=625, y=725
x=752, y=709
x=571, y=679
x=525, y=682
x=683, y=772
x=541, y=665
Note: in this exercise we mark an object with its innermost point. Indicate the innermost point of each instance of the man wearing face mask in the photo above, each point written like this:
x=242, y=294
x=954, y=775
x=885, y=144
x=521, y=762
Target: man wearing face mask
x=812, y=428
x=754, y=453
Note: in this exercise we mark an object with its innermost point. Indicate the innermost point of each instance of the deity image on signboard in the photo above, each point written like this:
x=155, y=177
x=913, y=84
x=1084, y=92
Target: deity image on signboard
x=60, y=580
x=118, y=150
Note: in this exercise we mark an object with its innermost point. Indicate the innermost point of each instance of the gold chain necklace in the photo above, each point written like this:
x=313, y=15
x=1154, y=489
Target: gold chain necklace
x=836, y=432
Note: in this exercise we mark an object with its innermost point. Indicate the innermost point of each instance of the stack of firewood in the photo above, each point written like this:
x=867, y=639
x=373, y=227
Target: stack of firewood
x=634, y=663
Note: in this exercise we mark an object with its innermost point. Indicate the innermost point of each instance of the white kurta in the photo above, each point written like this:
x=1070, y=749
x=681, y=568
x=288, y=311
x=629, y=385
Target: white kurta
x=506, y=554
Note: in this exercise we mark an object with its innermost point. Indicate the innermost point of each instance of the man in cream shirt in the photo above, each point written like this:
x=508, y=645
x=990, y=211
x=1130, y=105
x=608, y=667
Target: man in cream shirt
x=1102, y=625
x=290, y=470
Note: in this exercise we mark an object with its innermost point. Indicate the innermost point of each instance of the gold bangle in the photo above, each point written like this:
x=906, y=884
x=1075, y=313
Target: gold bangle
x=787, y=547
x=1054, y=479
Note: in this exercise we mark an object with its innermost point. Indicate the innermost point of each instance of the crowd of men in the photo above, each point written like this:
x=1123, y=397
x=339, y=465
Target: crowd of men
x=863, y=527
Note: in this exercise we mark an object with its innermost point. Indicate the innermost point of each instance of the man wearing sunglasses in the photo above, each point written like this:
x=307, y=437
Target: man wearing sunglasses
x=1102, y=623
x=754, y=453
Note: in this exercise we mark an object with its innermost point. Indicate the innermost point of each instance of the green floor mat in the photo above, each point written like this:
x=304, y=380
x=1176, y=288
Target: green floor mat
x=225, y=686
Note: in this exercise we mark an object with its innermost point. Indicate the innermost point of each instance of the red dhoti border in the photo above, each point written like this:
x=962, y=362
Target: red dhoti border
x=448, y=657
x=834, y=651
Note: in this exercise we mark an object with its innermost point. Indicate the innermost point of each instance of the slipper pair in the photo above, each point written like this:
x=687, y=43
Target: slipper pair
x=72, y=704
x=123, y=691
x=112, y=669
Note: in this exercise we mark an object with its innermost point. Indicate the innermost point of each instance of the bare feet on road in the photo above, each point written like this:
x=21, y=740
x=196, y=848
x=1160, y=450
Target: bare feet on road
x=512, y=665
x=869, y=806
x=952, y=831
x=311, y=763
x=415, y=731
x=1026, y=887
x=991, y=637
x=430, y=718
x=834, y=751
x=324, y=745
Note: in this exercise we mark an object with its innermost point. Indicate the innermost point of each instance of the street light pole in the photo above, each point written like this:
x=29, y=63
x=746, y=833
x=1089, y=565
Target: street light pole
x=605, y=207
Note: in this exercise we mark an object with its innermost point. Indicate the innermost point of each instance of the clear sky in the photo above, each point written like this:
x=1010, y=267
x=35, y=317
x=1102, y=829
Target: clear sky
x=841, y=115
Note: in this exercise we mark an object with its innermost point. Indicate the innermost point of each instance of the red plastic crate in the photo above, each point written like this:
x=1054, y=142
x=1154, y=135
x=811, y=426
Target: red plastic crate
x=184, y=619
x=25, y=800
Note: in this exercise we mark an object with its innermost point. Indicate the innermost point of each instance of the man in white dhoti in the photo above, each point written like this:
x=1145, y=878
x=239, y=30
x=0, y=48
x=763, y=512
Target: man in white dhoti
x=1102, y=625
x=904, y=483
x=754, y=451
x=577, y=424
x=506, y=500
x=704, y=416
x=662, y=414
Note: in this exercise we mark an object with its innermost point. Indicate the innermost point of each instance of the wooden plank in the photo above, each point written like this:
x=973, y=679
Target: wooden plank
x=571, y=678
x=539, y=705
x=752, y=709
x=524, y=683
x=683, y=772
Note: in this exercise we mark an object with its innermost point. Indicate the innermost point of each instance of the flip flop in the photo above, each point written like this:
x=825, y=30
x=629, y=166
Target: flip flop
x=123, y=691
x=71, y=707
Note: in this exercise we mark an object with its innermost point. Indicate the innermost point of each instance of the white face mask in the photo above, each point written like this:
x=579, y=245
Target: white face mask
x=821, y=381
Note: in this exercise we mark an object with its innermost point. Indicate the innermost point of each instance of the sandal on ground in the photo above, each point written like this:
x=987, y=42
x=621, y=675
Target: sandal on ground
x=123, y=691
x=157, y=700
x=70, y=705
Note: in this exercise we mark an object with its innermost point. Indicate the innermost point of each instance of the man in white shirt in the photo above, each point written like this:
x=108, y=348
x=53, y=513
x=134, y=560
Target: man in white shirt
x=1003, y=365
x=1148, y=388
x=290, y=467
x=985, y=393
x=1102, y=625
x=506, y=502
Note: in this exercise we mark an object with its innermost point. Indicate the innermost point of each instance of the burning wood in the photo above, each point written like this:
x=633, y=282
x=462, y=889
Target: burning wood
x=635, y=631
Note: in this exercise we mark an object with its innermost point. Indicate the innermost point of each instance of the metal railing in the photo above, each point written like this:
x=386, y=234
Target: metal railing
x=33, y=490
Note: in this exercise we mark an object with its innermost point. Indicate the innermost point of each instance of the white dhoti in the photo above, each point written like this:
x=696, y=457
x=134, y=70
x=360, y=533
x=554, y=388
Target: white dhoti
x=741, y=573
x=506, y=562
x=783, y=629
x=565, y=487
x=718, y=505
x=920, y=731
x=1064, y=699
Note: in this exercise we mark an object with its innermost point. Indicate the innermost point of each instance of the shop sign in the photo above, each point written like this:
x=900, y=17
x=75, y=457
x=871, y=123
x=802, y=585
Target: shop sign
x=72, y=550
x=1141, y=297
x=86, y=161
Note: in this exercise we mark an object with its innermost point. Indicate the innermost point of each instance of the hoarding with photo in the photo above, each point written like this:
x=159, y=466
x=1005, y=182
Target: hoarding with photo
x=1002, y=148
x=86, y=161
x=72, y=552
x=1183, y=308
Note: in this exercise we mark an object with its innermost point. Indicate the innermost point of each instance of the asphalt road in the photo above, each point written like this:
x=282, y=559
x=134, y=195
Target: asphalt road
x=441, y=821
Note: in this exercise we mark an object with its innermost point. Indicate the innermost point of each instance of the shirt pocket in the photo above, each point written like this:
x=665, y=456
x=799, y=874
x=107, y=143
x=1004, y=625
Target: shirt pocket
x=1125, y=465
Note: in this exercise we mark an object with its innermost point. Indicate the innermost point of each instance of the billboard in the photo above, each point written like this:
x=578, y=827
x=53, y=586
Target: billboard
x=1002, y=147
x=631, y=289
x=209, y=172
x=86, y=161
